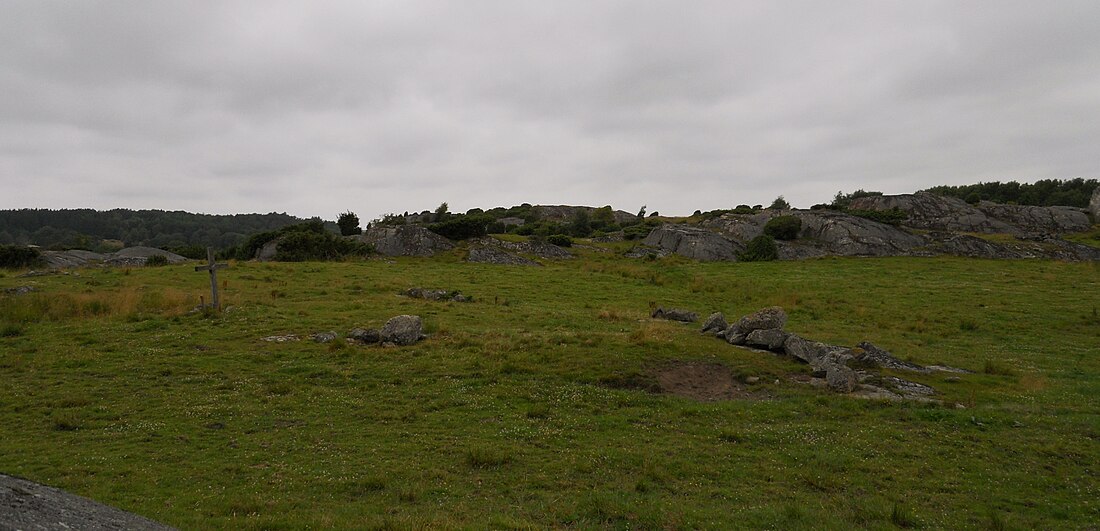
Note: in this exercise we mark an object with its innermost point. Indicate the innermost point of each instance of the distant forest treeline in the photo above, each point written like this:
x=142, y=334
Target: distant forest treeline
x=1048, y=192
x=88, y=229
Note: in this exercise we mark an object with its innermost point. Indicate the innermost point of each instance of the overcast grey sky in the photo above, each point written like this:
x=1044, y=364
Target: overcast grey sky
x=316, y=107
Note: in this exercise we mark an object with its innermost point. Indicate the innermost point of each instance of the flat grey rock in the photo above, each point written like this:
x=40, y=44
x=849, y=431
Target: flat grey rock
x=27, y=505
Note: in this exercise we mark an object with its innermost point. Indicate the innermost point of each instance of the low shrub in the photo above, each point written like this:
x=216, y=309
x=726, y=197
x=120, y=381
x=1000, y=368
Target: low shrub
x=19, y=257
x=637, y=232
x=893, y=216
x=461, y=227
x=560, y=240
x=760, y=249
x=783, y=227
x=156, y=260
x=306, y=246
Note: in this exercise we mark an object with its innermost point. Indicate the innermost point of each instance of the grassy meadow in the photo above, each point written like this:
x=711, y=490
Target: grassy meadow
x=504, y=418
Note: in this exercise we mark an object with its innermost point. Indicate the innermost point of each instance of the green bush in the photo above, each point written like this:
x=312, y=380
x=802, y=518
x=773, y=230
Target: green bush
x=461, y=227
x=19, y=257
x=247, y=250
x=308, y=246
x=893, y=216
x=156, y=260
x=783, y=227
x=637, y=232
x=760, y=249
x=560, y=240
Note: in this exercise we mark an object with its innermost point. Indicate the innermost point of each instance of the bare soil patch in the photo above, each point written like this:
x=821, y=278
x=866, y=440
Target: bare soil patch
x=702, y=381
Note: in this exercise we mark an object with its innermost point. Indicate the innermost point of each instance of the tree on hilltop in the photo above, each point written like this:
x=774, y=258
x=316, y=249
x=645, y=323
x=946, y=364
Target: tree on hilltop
x=349, y=224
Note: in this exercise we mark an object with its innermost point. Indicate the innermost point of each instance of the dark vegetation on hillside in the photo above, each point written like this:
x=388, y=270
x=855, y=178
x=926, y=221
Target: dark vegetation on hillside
x=19, y=257
x=175, y=231
x=523, y=220
x=189, y=234
x=302, y=242
x=1047, y=192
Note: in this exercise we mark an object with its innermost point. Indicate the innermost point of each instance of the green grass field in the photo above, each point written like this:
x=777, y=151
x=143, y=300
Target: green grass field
x=113, y=390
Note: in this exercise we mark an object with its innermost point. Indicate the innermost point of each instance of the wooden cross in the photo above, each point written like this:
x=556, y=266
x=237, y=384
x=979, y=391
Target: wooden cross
x=213, y=268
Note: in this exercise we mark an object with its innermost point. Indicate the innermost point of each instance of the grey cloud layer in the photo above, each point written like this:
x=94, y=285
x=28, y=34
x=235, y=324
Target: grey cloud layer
x=313, y=108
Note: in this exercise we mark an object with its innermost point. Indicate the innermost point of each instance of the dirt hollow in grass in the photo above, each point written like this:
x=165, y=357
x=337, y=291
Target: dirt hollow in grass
x=706, y=382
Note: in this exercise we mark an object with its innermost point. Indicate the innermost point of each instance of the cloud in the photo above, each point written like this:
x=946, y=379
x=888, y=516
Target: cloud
x=391, y=106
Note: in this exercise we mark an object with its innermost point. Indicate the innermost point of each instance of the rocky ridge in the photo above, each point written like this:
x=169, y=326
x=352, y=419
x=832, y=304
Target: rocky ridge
x=839, y=368
x=935, y=225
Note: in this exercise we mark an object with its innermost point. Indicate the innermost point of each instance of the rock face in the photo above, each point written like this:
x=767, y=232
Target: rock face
x=405, y=240
x=28, y=505
x=130, y=256
x=403, y=330
x=845, y=235
x=974, y=247
x=1035, y=219
x=540, y=249
x=933, y=212
x=563, y=213
x=823, y=232
x=495, y=255
x=694, y=242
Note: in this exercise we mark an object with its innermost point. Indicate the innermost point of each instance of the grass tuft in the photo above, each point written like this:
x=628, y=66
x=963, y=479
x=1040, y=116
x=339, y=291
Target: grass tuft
x=998, y=368
x=903, y=517
x=482, y=457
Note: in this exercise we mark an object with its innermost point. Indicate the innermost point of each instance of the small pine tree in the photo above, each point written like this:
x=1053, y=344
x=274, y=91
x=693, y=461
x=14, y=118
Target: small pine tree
x=780, y=204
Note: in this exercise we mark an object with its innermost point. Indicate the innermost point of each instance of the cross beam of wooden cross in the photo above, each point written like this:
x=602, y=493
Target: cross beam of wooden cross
x=213, y=268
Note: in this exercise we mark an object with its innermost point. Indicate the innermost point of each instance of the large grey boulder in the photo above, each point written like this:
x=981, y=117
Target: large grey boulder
x=367, y=336
x=715, y=324
x=694, y=242
x=267, y=252
x=934, y=212
x=405, y=240
x=771, y=339
x=841, y=379
x=675, y=314
x=878, y=357
x=403, y=330
x=803, y=349
x=1037, y=219
x=72, y=258
x=766, y=319
x=818, y=355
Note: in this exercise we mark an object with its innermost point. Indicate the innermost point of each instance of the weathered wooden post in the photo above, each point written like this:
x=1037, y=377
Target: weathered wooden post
x=213, y=268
